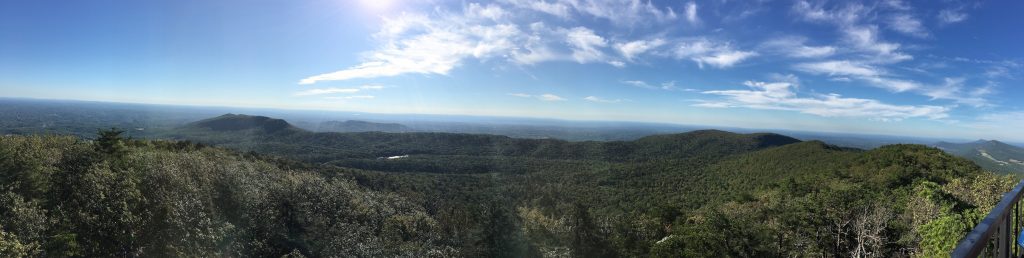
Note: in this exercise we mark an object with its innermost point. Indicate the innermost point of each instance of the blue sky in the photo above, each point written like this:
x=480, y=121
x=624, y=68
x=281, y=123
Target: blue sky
x=923, y=68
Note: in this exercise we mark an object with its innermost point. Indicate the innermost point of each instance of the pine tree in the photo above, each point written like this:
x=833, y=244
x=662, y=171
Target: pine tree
x=109, y=141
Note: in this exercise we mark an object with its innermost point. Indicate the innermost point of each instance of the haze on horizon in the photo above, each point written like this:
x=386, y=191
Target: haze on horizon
x=943, y=69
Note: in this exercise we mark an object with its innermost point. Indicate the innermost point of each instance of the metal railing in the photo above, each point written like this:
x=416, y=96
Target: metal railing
x=997, y=235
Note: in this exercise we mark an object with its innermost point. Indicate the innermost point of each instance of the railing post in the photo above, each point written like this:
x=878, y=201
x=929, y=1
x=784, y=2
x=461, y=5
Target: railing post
x=1004, y=237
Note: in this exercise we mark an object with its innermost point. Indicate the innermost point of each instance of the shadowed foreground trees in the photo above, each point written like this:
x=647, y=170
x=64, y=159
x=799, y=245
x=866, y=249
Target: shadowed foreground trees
x=65, y=197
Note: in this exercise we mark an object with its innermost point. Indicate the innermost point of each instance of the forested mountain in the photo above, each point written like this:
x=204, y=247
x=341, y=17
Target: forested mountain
x=234, y=123
x=991, y=155
x=702, y=193
x=361, y=126
x=294, y=192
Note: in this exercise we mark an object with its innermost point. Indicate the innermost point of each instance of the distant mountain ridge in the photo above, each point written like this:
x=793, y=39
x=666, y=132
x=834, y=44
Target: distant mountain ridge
x=239, y=122
x=991, y=155
x=361, y=126
x=700, y=144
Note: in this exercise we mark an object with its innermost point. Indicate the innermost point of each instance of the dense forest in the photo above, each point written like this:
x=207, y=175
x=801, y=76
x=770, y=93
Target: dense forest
x=238, y=185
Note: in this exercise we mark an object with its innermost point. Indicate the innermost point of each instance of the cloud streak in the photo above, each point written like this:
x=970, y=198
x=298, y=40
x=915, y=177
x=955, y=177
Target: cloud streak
x=780, y=96
x=706, y=52
x=601, y=100
x=544, y=97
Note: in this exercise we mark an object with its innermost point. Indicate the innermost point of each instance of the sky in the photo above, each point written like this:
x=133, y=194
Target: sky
x=944, y=68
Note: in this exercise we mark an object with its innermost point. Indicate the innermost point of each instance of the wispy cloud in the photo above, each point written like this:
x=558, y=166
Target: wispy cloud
x=896, y=5
x=556, y=8
x=631, y=50
x=843, y=70
x=850, y=20
x=586, y=45
x=691, y=13
x=794, y=46
x=950, y=16
x=706, y=52
x=601, y=100
x=550, y=97
x=951, y=89
x=954, y=89
x=669, y=85
x=908, y=24
x=618, y=12
x=424, y=45
x=866, y=39
x=838, y=68
x=544, y=97
x=780, y=96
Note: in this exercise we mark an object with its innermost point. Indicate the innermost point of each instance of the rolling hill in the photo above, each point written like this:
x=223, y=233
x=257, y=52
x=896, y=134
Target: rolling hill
x=991, y=155
x=234, y=123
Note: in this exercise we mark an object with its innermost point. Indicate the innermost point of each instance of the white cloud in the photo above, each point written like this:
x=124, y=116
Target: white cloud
x=724, y=59
x=850, y=18
x=795, y=47
x=555, y=8
x=669, y=85
x=950, y=16
x=844, y=70
x=704, y=51
x=847, y=15
x=838, y=68
x=601, y=100
x=632, y=49
x=544, y=97
x=865, y=38
x=371, y=87
x=586, y=45
x=691, y=13
x=997, y=71
x=550, y=97
x=640, y=84
x=491, y=11
x=780, y=96
x=811, y=12
x=907, y=24
x=953, y=89
x=311, y=92
x=417, y=44
x=896, y=5
x=895, y=85
x=618, y=12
